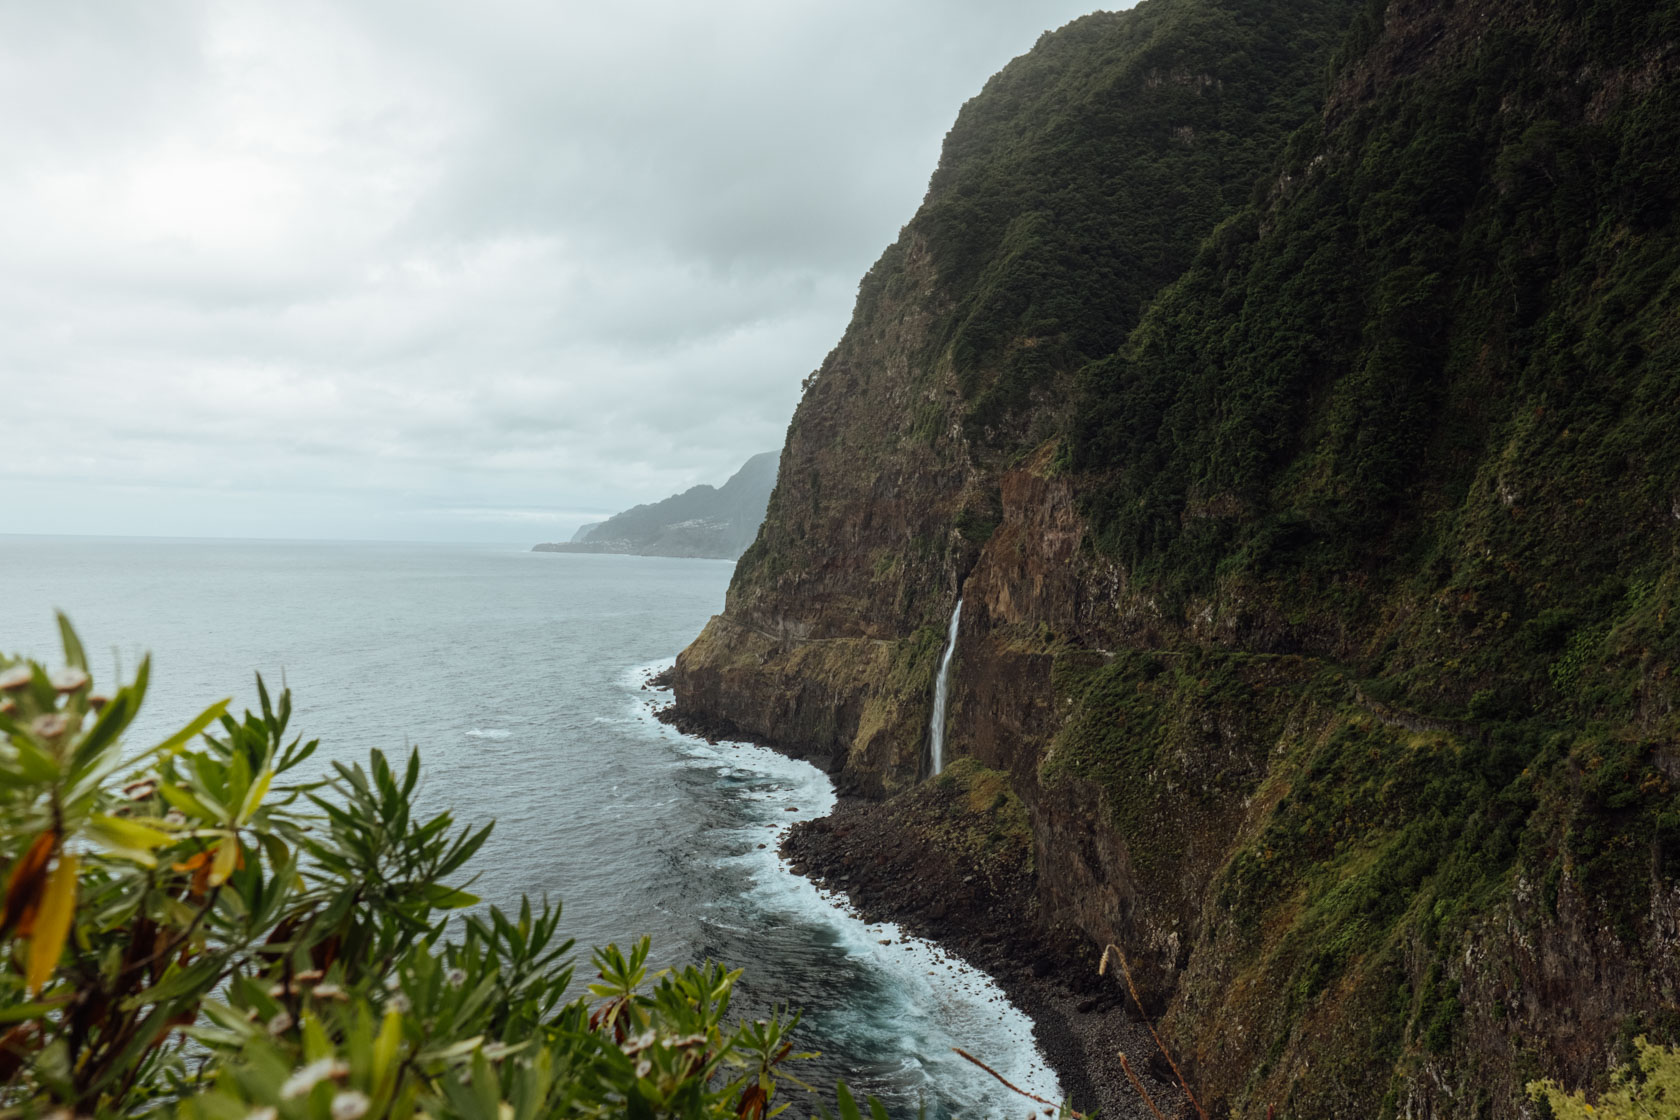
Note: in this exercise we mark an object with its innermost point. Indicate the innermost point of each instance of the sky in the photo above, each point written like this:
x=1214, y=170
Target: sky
x=409, y=270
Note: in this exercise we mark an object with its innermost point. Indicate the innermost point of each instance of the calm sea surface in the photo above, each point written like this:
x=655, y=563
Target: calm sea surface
x=518, y=676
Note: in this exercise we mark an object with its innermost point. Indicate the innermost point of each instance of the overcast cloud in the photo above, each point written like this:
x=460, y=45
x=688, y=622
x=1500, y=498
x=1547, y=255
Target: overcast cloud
x=411, y=270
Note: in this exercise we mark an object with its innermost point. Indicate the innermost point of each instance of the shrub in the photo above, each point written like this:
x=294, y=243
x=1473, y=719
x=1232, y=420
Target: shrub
x=193, y=927
x=1648, y=1086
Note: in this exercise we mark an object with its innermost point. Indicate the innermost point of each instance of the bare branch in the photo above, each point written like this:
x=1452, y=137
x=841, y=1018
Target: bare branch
x=1126, y=970
x=1016, y=1088
x=1138, y=1085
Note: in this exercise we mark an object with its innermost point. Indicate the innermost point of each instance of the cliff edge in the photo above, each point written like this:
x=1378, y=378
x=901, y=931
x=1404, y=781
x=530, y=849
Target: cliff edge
x=1285, y=389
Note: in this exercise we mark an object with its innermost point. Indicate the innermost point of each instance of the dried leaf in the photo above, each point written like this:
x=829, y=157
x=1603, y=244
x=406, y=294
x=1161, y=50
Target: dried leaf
x=229, y=855
x=752, y=1102
x=52, y=924
x=199, y=865
x=25, y=883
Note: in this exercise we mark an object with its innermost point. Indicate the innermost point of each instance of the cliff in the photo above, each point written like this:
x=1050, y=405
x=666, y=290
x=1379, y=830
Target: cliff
x=703, y=521
x=1285, y=390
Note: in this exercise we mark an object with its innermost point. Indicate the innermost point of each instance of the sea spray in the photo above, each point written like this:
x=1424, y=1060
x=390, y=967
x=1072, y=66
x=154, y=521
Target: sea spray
x=941, y=692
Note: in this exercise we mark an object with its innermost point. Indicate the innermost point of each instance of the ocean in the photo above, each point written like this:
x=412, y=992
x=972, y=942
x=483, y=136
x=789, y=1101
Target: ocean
x=519, y=677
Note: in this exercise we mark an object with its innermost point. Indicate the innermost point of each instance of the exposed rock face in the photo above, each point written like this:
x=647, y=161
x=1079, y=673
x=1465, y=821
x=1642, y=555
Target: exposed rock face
x=1322, y=628
x=702, y=522
x=890, y=479
x=953, y=860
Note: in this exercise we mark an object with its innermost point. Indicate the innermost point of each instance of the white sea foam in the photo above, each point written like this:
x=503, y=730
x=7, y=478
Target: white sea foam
x=488, y=733
x=942, y=1001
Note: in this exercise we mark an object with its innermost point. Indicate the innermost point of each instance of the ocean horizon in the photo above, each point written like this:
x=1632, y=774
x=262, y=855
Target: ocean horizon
x=521, y=679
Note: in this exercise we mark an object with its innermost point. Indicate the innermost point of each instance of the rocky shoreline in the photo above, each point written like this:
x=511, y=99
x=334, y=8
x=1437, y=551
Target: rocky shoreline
x=913, y=861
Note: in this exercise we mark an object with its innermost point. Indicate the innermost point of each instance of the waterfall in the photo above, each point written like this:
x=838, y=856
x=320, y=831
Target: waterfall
x=941, y=690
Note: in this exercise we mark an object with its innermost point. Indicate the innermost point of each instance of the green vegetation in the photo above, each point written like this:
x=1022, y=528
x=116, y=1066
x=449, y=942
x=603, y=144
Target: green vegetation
x=1079, y=181
x=1139, y=731
x=1409, y=403
x=986, y=824
x=1649, y=1086
x=1356, y=329
x=1434, y=359
x=1340, y=851
x=1404, y=406
x=191, y=928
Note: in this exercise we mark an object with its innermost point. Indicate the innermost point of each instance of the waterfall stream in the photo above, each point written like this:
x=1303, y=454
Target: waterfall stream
x=941, y=691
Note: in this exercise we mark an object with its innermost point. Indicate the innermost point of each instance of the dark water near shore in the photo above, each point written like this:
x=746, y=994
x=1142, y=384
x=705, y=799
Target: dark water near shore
x=518, y=676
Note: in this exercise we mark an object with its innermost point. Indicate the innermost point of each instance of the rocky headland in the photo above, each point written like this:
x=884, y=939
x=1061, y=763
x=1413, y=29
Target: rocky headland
x=703, y=522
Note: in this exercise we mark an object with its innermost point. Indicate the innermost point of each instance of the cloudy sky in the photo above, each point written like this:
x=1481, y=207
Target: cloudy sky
x=403, y=269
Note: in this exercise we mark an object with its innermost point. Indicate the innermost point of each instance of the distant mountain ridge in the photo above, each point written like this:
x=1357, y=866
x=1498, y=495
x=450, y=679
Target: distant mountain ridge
x=703, y=522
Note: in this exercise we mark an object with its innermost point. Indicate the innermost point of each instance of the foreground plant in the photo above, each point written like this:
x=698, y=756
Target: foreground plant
x=189, y=927
x=1647, y=1086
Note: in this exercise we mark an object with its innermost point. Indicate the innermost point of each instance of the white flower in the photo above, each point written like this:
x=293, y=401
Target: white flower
x=305, y=1079
x=350, y=1105
x=455, y=977
x=15, y=678
x=281, y=1023
x=68, y=679
x=267, y=1112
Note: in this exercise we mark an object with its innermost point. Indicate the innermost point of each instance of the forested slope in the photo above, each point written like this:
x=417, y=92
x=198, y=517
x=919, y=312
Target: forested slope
x=1288, y=392
x=1076, y=183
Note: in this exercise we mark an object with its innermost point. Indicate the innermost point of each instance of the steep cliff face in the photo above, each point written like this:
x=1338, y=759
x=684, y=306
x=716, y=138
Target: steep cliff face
x=1078, y=182
x=1318, y=543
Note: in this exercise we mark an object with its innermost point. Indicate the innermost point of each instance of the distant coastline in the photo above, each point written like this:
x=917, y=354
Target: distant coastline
x=703, y=522
x=615, y=548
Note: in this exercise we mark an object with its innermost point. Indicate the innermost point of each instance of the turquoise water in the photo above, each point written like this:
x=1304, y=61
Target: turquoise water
x=518, y=676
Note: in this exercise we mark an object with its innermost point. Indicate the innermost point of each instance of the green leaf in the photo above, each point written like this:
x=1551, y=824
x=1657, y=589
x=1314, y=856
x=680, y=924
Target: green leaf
x=254, y=796
x=187, y=802
x=186, y=734
x=34, y=763
x=451, y=1052
x=17, y=1013
x=848, y=1106
x=119, y=832
x=73, y=654
x=448, y=898
x=113, y=720
x=278, y=854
